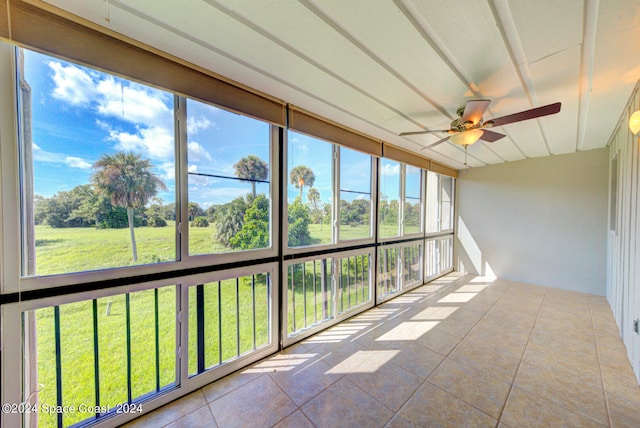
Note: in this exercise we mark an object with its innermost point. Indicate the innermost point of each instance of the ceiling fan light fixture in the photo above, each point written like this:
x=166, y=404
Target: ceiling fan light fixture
x=634, y=122
x=466, y=138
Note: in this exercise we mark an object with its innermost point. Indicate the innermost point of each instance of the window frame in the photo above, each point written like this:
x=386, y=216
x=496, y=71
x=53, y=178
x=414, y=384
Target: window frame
x=12, y=213
x=402, y=198
x=335, y=194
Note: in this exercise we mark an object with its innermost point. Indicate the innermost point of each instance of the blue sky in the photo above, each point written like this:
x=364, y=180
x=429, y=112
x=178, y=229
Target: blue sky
x=79, y=114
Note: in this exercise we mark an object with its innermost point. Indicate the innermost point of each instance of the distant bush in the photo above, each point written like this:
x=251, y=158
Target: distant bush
x=299, y=224
x=157, y=222
x=200, y=222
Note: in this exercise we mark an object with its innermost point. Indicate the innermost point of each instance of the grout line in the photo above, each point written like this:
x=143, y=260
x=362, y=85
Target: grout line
x=515, y=376
x=604, y=390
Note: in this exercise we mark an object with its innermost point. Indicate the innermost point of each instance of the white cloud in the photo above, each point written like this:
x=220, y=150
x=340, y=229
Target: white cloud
x=133, y=102
x=59, y=158
x=150, y=110
x=195, y=124
x=197, y=153
x=73, y=84
x=75, y=162
x=155, y=142
x=389, y=169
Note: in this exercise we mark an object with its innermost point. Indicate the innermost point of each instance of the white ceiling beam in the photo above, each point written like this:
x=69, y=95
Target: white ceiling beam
x=590, y=24
x=509, y=31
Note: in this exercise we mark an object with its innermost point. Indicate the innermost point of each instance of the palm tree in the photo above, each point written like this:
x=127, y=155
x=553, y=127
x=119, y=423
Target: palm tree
x=128, y=181
x=313, y=195
x=252, y=168
x=301, y=176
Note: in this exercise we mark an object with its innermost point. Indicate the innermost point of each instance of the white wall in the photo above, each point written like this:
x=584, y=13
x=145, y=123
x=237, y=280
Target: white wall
x=540, y=221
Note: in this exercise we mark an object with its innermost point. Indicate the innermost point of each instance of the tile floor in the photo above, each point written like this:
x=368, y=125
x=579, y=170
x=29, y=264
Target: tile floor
x=460, y=351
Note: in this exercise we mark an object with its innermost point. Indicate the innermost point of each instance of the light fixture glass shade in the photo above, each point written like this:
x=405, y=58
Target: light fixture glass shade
x=634, y=122
x=467, y=138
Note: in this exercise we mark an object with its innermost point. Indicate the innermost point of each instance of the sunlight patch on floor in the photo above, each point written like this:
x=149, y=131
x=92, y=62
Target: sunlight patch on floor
x=457, y=298
x=363, y=362
x=410, y=330
x=435, y=313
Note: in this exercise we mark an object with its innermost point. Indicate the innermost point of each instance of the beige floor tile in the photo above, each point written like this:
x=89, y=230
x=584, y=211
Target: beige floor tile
x=563, y=366
x=398, y=422
x=229, y=383
x=613, y=354
x=473, y=386
x=346, y=405
x=390, y=384
x=491, y=361
x=524, y=409
x=295, y=420
x=573, y=394
x=623, y=396
x=171, y=412
x=455, y=327
x=199, y=418
x=503, y=340
x=257, y=403
x=438, y=340
x=432, y=406
x=568, y=348
x=416, y=359
x=305, y=381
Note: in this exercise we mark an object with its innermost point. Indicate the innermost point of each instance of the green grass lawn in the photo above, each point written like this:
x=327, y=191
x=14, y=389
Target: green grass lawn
x=66, y=250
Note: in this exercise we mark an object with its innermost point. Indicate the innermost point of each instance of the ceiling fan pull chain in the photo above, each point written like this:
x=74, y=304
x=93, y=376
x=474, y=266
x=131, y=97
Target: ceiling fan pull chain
x=465, y=155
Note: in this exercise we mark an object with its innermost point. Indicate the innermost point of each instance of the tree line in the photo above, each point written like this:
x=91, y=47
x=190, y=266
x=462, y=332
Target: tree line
x=123, y=193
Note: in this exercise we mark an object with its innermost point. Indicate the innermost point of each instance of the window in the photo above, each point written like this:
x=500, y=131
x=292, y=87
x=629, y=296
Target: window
x=412, y=203
x=96, y=354
x=389, y=211
x=322, y=290
x=97, y=168
x=400, y=199
x=228, y=318
x=228, y=164
x=355, y=195
x=310, y=190
x=439, y=202
x=319, y=173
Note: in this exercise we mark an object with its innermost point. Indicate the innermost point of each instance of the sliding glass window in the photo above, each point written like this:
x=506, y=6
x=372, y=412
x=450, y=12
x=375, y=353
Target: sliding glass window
x=440, y=198
x=309, y=190
x=97, y=159
x=319, y=173
x=229, y=170
x=355, y=195
x=389, y=211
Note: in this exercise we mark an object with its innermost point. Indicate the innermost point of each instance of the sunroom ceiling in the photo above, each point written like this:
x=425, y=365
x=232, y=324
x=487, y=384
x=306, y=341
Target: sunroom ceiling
x=387, y=66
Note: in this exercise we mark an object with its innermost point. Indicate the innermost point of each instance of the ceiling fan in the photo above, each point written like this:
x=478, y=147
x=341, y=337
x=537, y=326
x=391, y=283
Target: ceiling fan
x=469, y=127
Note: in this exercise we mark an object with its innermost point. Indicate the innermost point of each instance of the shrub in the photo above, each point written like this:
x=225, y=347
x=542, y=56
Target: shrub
x=157, y=222
x=254, y=232
x=299, y=220
x=200, y=222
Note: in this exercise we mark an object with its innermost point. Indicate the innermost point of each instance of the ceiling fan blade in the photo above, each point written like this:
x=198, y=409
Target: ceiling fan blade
x=432, y=131
x=490, y=136
x=524, y=115
x=473, y=111
x=440, y=141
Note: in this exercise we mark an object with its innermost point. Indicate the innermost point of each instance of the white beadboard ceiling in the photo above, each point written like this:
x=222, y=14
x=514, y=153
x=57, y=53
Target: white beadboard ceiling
x=387, y=66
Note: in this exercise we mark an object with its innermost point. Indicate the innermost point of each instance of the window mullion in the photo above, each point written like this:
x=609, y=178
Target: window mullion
x=182, y=181
x=336, y=194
